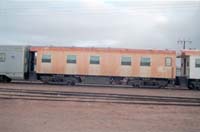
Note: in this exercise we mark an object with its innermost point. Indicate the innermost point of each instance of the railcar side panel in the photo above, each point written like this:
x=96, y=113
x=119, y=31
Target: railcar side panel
x=194, y=71
x=14, y=61
x=109, y=62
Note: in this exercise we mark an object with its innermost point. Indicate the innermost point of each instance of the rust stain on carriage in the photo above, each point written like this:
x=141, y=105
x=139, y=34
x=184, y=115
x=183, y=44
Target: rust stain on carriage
x=70, y=69
x=110, y=62
x=126, y=71
x=145, y=71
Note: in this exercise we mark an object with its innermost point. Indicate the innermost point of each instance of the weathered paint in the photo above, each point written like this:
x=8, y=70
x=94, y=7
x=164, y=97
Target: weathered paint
x=125, y=71
x=70, y=69
x=110, y=62
x=46, y=68
x=94, y=70
x=145, y=71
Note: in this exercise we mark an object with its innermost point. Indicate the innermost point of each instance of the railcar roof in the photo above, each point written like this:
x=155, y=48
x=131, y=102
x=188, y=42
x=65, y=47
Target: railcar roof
x=11, y=46
x=190, y=52
x=96, y=49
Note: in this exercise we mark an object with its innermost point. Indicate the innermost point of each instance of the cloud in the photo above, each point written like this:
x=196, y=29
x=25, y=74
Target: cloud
x=101, y=23
x=93, y=3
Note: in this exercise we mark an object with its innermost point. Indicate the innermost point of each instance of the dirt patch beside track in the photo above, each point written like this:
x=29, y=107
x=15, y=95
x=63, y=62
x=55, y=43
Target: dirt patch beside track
x=62, y=116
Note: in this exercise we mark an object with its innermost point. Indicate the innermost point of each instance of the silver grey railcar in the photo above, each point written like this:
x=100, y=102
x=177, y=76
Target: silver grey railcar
x=13, y=62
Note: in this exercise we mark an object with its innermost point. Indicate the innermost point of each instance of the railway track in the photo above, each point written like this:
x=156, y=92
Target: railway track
x=95, y=85
x=46, y=95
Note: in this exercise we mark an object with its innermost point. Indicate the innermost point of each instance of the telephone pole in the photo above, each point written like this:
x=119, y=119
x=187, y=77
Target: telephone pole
x=184, y=42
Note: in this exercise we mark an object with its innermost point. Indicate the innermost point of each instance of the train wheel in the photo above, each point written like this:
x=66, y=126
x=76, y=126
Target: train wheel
x=8, y=80
x=68, y=83
x=5, y=79
x=196, y=87
x=190, y=88
x=137, y=86
x=73, y=83
x=193, y=87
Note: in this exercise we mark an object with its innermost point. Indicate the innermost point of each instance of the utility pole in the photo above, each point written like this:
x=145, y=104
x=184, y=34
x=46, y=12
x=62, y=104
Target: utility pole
x=184, y=42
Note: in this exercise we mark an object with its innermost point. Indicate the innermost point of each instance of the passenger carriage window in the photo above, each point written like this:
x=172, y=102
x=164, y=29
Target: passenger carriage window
x=94, y=60
x=168, y=61
x=2, y=57
x=46, y=58
x=125, y=60
x=197, y=63
x=71, y=59
x=145, y=61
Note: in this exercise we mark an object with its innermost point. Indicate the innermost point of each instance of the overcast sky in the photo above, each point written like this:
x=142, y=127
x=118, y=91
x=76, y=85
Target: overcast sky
x=100, y=23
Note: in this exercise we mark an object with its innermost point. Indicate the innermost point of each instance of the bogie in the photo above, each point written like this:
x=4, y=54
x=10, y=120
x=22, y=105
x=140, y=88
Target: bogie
x=194, y=84
x=148, y=82
x=4, y=79
x=59, y=79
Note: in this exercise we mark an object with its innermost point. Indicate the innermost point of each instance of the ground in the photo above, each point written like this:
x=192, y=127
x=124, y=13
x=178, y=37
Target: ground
x=65, y=116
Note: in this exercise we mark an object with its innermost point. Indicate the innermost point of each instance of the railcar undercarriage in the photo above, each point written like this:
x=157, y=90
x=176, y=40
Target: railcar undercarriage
x=150, y=82
x=59, y=79
x=4, y=79
x=104, y=80
x=194, y=84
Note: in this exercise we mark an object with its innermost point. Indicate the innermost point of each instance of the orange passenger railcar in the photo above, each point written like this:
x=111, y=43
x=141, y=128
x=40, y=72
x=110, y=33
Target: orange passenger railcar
x=130, y=66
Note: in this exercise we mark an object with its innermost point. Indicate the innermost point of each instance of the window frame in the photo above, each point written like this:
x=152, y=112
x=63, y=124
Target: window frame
x=126, y=63
x=46, y=60
x=197, y=65
x=2, y=57
x=143, y=63
x=92, y=62
x=166, y=63
x=71, y=61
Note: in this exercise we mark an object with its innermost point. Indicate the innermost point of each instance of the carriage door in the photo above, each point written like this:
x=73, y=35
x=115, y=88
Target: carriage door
x=32, y=64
